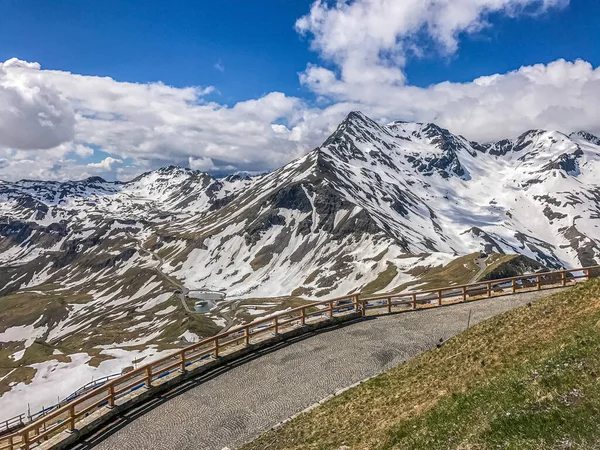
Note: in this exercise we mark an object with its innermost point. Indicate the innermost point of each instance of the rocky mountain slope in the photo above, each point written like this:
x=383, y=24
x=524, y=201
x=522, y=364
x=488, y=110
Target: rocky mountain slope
x=89, y=267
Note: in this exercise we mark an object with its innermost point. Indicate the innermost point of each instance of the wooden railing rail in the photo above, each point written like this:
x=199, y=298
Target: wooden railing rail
x=479, y=289
x=65, y=417
x=496, y=281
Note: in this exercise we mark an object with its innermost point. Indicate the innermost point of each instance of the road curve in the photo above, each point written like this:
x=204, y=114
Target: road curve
x=248, y=398
x=181, y=290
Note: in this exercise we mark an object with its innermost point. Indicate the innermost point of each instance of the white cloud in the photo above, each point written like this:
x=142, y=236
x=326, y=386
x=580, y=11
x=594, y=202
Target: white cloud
x=106, y=164
x=560, y=96
x=204, y=164
x=369, y=40
x=219, y=66
x=82, y=150
x=150, y=123
x=32, y=114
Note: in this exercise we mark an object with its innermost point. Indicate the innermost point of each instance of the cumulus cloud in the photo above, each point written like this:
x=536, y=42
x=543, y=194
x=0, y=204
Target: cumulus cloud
x=32, y=114
x=150, y=123
x=106, y=164
x=369, y=40
x=558, y=96
x=203, y=164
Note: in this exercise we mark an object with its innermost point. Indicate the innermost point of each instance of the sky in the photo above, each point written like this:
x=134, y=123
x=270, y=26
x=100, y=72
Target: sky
x=117, y=88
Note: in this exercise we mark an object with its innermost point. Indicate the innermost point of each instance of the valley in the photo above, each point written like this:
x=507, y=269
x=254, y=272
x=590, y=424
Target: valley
x=89, y=269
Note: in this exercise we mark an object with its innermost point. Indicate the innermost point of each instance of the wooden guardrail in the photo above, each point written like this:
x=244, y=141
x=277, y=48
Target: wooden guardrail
x=482, y=289
x=66, y=417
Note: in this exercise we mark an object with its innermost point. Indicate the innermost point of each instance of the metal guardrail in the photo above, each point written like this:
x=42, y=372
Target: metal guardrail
x=12, y=424
x=66, y=417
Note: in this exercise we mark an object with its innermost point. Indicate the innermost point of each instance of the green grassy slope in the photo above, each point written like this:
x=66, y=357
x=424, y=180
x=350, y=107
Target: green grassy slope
x=527, y=379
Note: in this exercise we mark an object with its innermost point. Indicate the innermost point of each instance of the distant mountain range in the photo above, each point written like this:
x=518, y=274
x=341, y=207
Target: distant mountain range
x=405, y=189
x=373, y=203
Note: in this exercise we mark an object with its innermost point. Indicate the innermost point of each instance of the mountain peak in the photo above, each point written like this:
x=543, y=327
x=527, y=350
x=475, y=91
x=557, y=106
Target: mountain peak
x=587, y=136
x=358, y=118
x=238, y=176
x=356, y=115
x=95, y=179
x=174, y=169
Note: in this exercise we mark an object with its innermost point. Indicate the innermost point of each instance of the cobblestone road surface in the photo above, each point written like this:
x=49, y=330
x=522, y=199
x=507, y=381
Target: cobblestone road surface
x=237, y=403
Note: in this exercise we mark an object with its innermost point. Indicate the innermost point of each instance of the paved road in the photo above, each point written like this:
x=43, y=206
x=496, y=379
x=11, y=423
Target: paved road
x=242, y=401
x=182, y=291
x=482, y=264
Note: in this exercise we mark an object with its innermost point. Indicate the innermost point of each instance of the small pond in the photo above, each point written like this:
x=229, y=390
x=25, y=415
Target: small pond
x=205, y=300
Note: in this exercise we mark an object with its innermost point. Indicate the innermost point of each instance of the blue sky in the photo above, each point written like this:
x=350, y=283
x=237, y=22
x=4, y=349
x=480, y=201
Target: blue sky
x=180, y=42
x=249, y=50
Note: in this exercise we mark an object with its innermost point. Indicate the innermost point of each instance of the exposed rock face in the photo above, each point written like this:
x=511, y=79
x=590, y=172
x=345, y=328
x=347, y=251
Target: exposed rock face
x=589, y=137
x=513, y=268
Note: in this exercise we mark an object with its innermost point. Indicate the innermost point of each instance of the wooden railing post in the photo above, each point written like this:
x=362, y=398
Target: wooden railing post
x=464, y=294
x=587, y=274
x=71, y=421
x=439, y=293
x=182, y=361
x=564, y=278
x=364, y=308
x=355, y=301
x=389, y=305
x=303, y=316
x=538, y=281
x=331, y=308
x=276, y=324
x=111, y=395
x=414, y=301
x=25, y=440
x=247, y=335
x=216, y=347
x=489, y=289
x=149, y=376
x=514, y=285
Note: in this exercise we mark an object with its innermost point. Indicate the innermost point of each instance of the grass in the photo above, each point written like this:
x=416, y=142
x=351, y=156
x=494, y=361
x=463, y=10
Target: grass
x=382, y=281
x=19, y=375
x=273, y=305
x=38, y=352
x=527, y=379
x=459, y=271
x=495, y=261
x=26, y=308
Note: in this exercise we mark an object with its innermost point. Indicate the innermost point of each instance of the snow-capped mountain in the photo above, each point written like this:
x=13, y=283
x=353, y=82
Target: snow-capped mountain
x=366, y=208
x=403, y=188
